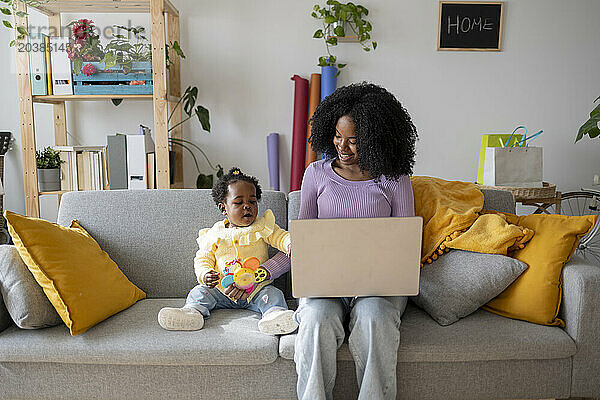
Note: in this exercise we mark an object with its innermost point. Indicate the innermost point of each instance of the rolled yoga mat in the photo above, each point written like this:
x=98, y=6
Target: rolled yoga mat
x=299, y=131
x=273, y=157
x=328, y=81
x=315, y=98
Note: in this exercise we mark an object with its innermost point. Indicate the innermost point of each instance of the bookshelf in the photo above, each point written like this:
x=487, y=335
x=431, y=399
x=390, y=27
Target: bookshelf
x=166, y=88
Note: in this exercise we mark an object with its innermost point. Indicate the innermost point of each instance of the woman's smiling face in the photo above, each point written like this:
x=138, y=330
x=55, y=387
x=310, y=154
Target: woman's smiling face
x=241, y=205
x=345, y=141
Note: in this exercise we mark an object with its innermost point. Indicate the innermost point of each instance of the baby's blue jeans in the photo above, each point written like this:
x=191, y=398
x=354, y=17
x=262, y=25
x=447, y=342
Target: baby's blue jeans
x=374, y=325
x=205, y=299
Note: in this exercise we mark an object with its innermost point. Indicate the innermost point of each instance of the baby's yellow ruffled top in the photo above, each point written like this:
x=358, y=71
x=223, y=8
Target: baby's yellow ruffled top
x=221, y=244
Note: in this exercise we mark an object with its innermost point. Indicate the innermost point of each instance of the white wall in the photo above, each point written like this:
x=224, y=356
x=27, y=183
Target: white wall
x=242, y=54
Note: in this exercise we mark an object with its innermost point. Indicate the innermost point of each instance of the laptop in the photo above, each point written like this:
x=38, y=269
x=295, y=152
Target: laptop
x=356, y=257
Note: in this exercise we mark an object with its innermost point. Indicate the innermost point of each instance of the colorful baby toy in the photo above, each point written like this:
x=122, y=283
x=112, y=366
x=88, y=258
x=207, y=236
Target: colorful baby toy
x=245, y=275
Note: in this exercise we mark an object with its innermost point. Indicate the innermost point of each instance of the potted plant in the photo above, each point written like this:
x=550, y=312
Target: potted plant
x=48, y=169
x=591, y=127
x=341, y=22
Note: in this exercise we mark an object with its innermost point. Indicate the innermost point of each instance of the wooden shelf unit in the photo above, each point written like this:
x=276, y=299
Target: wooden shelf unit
x=164, y=28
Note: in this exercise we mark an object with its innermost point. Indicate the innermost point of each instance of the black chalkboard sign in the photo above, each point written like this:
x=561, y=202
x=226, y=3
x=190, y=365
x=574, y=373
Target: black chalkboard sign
x=469, y=25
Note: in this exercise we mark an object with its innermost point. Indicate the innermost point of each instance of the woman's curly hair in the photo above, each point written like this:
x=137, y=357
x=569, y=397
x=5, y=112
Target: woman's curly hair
x=385, y=134
x=219, y=190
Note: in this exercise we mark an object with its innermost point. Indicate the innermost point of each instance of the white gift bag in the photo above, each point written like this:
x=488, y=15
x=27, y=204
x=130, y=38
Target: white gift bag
x=513, y=166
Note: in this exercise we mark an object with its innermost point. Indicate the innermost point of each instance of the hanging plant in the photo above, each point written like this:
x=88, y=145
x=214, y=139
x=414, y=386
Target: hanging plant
x=10, y=8
x=339, y=20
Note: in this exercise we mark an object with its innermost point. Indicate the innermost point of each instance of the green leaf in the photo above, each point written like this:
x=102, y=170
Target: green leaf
x=318, y=34
x=5, y=11
x=322, y=62
x=204, y=181
x=595, y=113
x=77, y=65
x=7, y=23
x=374, y=45
x=339, y=31
x=341, y=65
x=110, y=60
x=314, y=15
x=12, y=43
x=189, y=100
x=203, y=117
x=316, y=7
x=332, y=41
x=116, y=102
x=21, y=14
x=368, y=27
x=178, y=49
x=22, y=31
x=331, y=60
x=337, y=74
x=330, y=19
x=366, y=48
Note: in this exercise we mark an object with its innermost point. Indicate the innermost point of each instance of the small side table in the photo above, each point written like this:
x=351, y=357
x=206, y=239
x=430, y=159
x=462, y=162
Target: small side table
x=541, y=203
x=539, y=197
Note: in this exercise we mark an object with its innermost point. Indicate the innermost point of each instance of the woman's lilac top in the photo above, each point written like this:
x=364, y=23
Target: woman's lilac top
x=325, y=194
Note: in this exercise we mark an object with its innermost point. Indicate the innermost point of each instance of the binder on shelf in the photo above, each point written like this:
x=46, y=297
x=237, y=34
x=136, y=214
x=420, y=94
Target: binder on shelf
x=117, y=161
x=66, y=172
x=37, y=66
x=137, y=148
x=48, y=65
x=151, y=170
x=62, y=82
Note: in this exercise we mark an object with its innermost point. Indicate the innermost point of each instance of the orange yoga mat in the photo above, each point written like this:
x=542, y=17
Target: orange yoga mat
x=299, y=131
x=315, y=98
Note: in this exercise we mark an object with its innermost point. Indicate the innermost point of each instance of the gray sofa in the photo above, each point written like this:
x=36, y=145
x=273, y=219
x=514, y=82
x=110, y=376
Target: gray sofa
x=152, y=237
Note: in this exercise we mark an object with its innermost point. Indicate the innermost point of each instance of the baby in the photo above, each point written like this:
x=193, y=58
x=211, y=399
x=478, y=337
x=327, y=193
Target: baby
x=229, y=260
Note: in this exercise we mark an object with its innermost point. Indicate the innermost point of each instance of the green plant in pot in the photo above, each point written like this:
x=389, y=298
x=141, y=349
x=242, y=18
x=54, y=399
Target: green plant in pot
x=48, y=169
x=591, y=127
x=188, y=103
x=342, y=21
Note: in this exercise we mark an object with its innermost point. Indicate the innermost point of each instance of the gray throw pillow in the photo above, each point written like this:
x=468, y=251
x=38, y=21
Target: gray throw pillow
x=23, y=296
x=5, y=320
x=459, y=282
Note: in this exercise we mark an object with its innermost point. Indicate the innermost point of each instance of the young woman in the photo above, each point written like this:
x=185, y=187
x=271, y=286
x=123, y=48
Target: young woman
x=369, y=143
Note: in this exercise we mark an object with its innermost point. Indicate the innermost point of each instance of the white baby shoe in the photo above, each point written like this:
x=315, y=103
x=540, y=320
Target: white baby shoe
x=180, y=319
x=278, y=322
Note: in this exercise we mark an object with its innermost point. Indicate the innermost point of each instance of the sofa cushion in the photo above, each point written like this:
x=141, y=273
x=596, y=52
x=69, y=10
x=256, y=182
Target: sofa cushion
x=134, y=337
x=151, y=234
x=81, y=281
x=536, y=295
x=460, y=282
x=482, y=336
x=25, y=300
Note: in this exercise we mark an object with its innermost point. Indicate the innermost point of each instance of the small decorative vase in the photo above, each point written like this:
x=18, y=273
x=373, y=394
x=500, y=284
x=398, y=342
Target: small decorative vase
x=48, y=179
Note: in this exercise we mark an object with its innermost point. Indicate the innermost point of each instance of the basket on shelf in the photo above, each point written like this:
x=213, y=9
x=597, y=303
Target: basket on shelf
x=114, y=81
x=547, y=191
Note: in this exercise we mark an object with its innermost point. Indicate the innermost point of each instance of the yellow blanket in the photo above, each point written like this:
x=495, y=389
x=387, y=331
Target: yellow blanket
x=451, y=219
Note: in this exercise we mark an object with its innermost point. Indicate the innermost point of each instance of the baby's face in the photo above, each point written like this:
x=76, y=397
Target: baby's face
x=241, y=205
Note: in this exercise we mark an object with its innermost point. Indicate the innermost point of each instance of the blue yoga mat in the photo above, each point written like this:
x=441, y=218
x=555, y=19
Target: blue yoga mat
x=273, y=157
x=328, y=81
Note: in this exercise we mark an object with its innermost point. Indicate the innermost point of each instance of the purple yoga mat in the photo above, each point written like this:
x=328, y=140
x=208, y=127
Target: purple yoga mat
x=273, y=157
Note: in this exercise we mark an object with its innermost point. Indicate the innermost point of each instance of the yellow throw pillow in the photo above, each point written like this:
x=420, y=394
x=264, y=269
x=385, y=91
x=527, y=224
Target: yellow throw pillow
x=81, y=281
x=535, y=295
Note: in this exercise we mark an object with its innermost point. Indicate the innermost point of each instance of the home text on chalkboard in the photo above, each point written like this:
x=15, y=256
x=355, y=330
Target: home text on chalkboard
x=468, y=25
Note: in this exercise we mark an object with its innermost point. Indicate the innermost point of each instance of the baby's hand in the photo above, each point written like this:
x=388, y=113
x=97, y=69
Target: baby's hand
x=211, y=279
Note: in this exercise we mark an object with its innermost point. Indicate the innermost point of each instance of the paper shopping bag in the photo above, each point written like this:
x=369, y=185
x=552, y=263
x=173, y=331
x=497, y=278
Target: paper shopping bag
x=493, y=140
x=513, y=166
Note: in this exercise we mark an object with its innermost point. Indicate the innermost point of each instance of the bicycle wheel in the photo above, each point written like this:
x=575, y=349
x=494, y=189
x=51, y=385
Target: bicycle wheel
x=582, y=203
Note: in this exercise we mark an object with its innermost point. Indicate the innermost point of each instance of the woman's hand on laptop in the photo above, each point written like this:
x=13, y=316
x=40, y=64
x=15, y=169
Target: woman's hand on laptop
x=235, y=293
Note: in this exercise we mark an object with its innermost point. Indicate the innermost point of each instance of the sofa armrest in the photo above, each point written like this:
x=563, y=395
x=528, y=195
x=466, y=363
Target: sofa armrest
x=5, y=319
x=581, y=312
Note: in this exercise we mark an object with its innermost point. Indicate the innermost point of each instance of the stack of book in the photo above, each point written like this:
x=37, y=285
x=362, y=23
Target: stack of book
x=84, y=167
x=50, y=66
